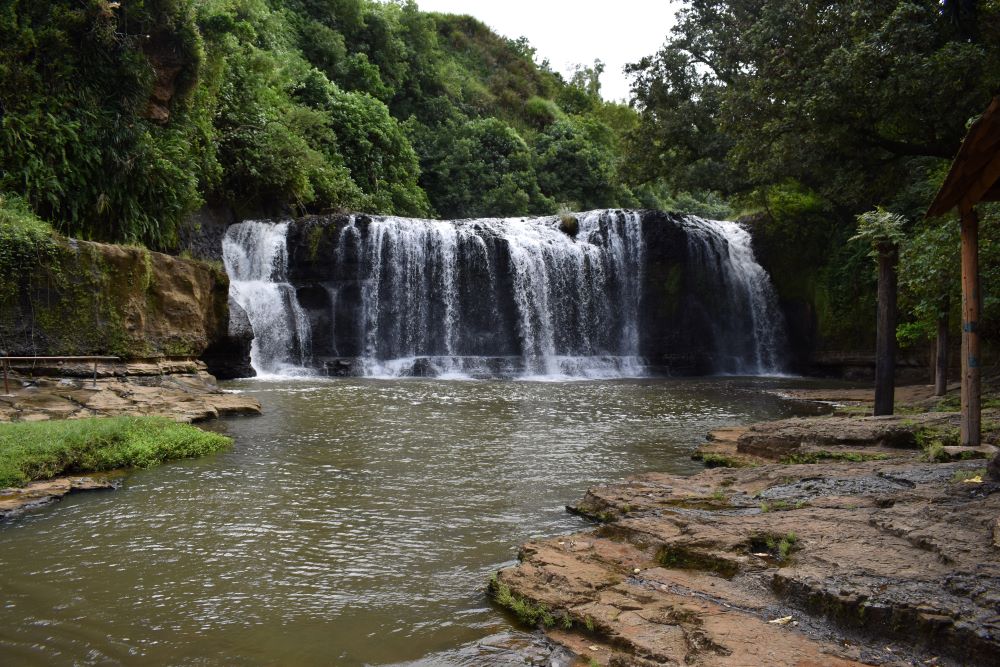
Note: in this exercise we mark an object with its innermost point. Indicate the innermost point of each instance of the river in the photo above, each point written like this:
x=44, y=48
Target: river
x=355, y=522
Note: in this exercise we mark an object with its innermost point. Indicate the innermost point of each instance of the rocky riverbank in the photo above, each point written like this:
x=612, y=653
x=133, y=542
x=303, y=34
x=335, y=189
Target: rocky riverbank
x=181, y=390
x=834, y=541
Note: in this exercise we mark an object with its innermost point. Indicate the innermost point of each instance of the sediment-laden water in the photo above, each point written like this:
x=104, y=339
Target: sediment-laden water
x=355, y=522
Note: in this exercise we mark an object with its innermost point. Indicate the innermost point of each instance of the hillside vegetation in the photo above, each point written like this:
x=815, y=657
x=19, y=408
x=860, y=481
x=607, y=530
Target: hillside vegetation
x=121, y=118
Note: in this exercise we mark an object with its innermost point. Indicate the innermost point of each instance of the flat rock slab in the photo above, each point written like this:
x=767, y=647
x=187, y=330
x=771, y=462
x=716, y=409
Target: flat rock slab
x=188, y=394
x=880, y=562
x=774, y=440
x=915, y=394
x=13, y=501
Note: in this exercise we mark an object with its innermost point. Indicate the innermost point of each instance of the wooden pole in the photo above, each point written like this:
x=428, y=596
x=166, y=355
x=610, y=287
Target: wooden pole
x=941, y=356
x=885, y=333
x=971, y=372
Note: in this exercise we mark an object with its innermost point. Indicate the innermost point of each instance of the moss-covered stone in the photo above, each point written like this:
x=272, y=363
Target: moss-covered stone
x=100, y=299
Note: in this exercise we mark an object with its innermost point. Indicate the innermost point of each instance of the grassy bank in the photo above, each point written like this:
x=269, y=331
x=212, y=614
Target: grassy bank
x=40, y=450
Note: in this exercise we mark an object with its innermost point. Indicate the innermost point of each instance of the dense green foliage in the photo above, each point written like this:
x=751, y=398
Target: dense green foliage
x=812, y=111
x=41, y=450
x=841, y=96
x=120, y=119
x=24, y=241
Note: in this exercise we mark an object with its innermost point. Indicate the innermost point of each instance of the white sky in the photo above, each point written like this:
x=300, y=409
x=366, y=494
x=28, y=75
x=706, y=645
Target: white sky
x=569, y=32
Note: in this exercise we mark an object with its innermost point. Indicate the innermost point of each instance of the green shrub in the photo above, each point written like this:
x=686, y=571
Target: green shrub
x=41, y=450
x=24, y=241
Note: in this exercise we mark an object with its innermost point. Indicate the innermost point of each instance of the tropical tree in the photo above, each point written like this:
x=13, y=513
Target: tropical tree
x=883, y=230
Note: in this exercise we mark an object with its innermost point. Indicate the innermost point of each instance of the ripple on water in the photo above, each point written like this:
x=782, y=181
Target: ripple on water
x=355, y=522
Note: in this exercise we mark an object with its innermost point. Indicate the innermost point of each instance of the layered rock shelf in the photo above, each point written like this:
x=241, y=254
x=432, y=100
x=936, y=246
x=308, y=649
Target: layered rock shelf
x=181, y=390
x=14, y=501
x=871, y=555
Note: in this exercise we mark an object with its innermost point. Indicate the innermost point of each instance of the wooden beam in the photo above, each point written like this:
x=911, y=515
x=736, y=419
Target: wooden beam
x=974, y=157
x=986, y=179
x=971, y=371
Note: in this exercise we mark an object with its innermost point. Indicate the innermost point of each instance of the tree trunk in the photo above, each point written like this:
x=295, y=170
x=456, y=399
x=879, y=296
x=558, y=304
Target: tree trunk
x=885, y=343
x=941, y=356
x=971, y=379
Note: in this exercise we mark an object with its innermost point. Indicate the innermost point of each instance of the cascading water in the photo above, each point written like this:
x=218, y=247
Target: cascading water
x=499, y=296
x=525, y=297
x=723, y=256
x=256, y=259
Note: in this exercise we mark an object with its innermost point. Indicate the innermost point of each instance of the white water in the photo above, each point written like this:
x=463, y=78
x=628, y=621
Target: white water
x=575, y=301
x=512, y=297
x=256, y=259
x=724, y=254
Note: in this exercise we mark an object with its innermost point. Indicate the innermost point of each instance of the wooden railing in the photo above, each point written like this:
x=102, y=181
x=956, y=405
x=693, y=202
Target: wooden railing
x=5, y=364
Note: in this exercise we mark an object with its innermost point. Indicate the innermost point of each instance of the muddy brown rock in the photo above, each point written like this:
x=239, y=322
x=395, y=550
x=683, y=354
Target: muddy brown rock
x=35, y=494
x=125, y=301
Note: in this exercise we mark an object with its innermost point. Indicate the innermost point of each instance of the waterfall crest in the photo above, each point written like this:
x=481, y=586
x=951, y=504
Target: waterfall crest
x=515, y=297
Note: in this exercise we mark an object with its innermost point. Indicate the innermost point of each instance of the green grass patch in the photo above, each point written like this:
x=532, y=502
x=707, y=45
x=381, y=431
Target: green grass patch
x=683, y=558
x=823, y=456
x=933, y=440
x=40, y=450
x=781, y=505
x=779, y=547
x=712, y=460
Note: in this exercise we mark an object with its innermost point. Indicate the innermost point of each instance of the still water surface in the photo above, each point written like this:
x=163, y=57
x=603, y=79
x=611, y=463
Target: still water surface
x=355, y=522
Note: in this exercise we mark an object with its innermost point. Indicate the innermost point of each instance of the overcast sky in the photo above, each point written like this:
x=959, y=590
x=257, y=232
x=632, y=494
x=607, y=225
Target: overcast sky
x=570, y=31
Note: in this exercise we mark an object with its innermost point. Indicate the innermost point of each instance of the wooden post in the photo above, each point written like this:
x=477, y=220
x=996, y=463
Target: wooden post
x=6, y=387
x=941, y=356
x=971, y=372
x=885, y=333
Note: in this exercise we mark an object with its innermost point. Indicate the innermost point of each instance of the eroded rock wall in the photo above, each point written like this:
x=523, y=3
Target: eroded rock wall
x=85, y=298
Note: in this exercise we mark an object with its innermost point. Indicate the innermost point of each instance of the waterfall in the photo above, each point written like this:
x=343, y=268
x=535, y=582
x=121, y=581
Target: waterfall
x=543, y=297
x=256, y=259
x=723, y=258
x=457, y=297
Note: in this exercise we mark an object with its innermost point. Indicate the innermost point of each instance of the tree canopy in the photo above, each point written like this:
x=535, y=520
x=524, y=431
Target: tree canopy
x=120, y=119
x=843, y=97
x=811, y=112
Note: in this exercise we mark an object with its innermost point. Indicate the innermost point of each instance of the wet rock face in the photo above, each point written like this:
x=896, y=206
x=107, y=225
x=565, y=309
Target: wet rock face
x=673, y=322
x=103, y=299
x=228, y=357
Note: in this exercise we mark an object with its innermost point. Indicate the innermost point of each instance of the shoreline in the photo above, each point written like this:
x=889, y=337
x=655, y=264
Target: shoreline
x=182, y=391
x=821, y=540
